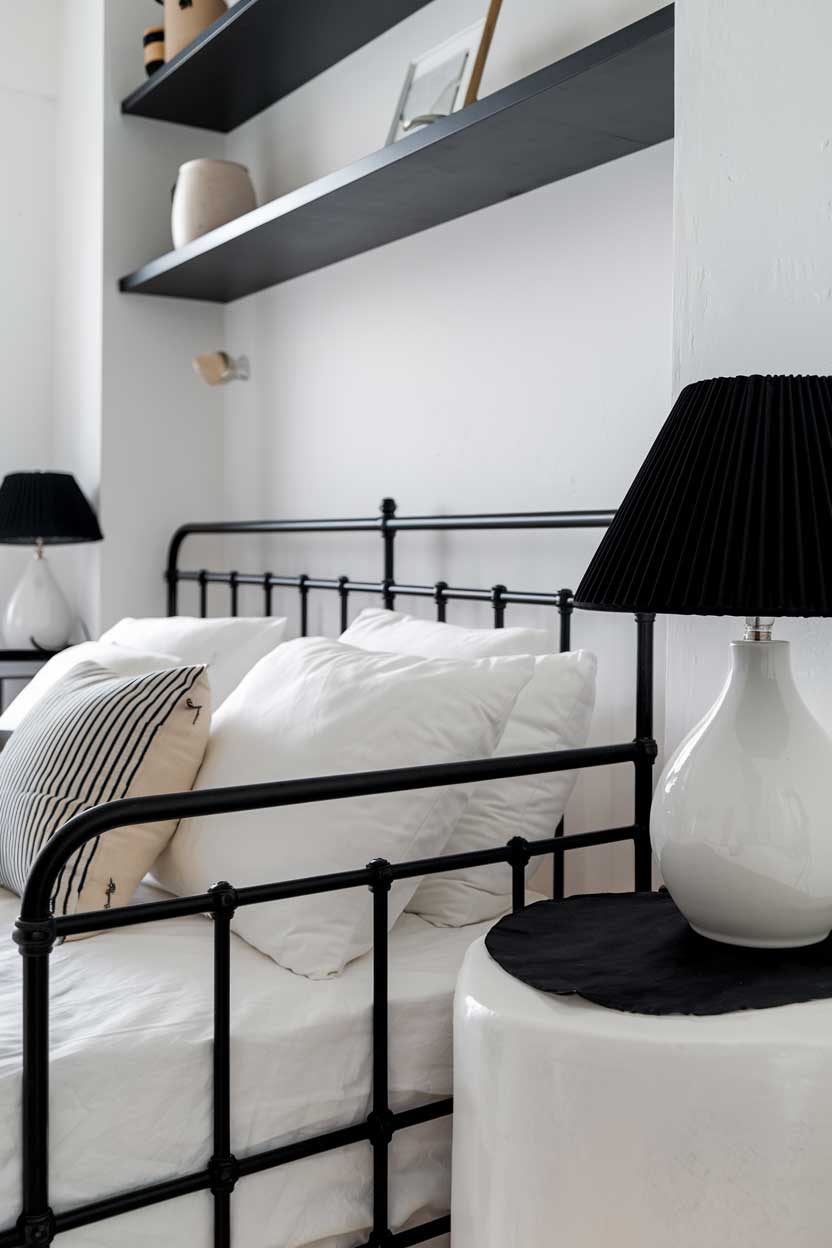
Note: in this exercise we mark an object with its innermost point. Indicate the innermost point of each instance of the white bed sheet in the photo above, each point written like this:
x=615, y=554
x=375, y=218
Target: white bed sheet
x=131, y=1028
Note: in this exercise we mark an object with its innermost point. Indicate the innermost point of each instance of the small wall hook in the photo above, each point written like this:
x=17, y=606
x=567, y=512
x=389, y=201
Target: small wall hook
x=217, y=368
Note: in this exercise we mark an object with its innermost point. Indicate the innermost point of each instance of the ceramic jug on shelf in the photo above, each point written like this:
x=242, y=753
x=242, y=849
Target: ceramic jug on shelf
x=185, y=19
x=207, y=194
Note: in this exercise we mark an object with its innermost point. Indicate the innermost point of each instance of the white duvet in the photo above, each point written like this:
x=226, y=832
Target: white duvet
x=131, y=1029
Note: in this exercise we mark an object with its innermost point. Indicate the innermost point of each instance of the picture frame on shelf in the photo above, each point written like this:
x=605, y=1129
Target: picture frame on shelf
x=444, y=79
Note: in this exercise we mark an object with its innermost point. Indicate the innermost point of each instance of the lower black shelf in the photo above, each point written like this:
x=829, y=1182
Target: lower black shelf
x=605, y=101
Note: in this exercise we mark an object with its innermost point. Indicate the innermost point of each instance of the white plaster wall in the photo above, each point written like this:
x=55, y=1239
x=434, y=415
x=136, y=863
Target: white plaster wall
x=753, y=256
x=97, y=384
x=518, y=358
x=31, y=34
x=77, y=322
x=28, y=82
x=161, y=429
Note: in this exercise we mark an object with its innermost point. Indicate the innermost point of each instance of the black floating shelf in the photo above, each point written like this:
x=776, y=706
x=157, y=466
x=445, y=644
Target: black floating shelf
x=608, y=100
x=256, y=53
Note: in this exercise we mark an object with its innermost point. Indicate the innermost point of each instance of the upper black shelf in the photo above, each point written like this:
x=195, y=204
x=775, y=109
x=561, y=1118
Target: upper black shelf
x=256, y=53
x=611, y=98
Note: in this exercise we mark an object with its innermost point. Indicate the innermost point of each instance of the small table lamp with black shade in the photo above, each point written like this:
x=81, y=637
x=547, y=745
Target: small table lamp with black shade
x=41, y=509
x=731, y=514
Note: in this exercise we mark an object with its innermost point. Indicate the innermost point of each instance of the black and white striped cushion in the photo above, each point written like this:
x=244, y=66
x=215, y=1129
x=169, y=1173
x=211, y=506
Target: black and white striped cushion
x=92, y=738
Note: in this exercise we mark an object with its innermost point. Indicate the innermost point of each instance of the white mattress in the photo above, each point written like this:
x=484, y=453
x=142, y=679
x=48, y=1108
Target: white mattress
x=131, y=1081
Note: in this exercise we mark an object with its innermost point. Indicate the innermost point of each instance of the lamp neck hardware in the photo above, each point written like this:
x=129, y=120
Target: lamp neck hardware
x=758, y=628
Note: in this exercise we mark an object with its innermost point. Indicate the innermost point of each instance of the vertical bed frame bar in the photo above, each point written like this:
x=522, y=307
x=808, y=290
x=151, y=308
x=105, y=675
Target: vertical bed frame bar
x=645, y=623
x=303, y=590
x=566, y=605
x=380, y=1121
x=223, y=1166
x=388, y=536
x=519, y=858
x=35, y=941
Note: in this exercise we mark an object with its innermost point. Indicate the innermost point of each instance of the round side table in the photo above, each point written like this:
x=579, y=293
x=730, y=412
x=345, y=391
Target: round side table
x=580, y=1125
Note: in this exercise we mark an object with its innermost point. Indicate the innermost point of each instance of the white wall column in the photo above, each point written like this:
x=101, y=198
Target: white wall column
x=28, y=84
x=162, y=430
x=77, y=325
x=753, y=255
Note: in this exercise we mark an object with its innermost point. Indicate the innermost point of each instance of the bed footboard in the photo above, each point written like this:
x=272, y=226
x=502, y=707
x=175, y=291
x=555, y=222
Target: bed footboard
x=38, y=929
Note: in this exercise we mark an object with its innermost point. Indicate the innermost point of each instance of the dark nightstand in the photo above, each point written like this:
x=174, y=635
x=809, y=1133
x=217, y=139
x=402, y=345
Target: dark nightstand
x=20, y=665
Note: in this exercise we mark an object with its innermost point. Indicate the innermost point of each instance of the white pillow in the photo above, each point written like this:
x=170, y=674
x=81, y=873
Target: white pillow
x=120, y=661
x=553, y=712
x=230, y=646
x=316, y=708
x=391, y=631
x=95, y=737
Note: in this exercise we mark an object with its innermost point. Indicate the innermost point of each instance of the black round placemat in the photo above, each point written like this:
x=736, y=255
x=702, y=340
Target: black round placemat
x=636, y=952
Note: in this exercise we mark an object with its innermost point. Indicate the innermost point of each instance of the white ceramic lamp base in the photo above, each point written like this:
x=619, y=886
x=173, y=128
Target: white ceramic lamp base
x=741, y=817
x=38, y=614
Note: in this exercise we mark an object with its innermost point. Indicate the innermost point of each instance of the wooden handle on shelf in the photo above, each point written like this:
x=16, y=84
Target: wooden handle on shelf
x=482, y=52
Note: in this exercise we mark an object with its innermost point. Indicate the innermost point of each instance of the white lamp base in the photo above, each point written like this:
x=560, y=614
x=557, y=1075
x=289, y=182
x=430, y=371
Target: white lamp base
x=741, y=818
x=38, y=614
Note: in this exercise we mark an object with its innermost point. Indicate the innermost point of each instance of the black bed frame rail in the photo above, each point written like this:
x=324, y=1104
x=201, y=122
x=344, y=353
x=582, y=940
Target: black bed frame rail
x=388, y=523
x=38, y=929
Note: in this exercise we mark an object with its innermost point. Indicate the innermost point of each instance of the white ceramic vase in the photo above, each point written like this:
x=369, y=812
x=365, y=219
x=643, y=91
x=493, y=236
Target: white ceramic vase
x=208, y=193
x=741, y=818
x=38, y=614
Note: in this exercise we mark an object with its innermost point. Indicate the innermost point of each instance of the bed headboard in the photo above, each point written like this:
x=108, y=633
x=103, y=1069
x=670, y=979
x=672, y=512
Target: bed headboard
x=388, y=524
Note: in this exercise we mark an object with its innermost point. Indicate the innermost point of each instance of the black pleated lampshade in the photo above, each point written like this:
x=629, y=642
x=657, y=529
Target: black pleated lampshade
x=47, y=507
x=731, y=512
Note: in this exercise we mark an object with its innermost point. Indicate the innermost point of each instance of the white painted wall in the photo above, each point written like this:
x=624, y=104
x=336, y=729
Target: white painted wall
x=28, y=84
x=518, y=358
x=161, y=428
x=100, y=385
x=77, y=321
x=753, y=256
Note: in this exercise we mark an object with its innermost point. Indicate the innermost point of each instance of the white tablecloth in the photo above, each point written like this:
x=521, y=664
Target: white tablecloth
x=586, y=1127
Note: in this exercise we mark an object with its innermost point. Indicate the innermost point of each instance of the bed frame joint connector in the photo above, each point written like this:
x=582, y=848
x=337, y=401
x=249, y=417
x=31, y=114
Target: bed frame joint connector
x=648, y=747
x=226, y=896
x=519, y=851
x=224, y=1172
x=35, y=940
x=382, y=1125
x=382, y=875
x=37, y=1228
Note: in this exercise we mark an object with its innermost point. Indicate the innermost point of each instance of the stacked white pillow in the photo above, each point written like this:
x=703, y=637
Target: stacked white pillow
x=120, y=660
x=318, y=707
x=395, y=633
x=230, y=645
x=553, y=712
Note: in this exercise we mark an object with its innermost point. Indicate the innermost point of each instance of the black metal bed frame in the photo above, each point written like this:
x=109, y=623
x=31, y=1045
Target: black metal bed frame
x=38, y=929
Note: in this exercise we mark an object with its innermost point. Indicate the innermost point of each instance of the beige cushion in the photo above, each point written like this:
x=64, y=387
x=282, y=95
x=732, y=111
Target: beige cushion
x=94, y=737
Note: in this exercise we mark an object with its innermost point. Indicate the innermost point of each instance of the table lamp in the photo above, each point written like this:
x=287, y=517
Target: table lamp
x=40, y=509
x=731, y=514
